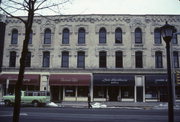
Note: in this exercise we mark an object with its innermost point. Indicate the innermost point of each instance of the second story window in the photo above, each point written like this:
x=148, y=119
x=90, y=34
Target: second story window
x=30, y=37
x=102, y=35
x=102, y=59
x=65, y=59
x=157, y=36
x=118, y=36
x=138, y=36
x=28, y=60
x=12, y=59
x=46, y=59
x=176, y=59
x=65, y=36
x=81, y=36
x=139, y=59
x=14, y=36
x=81, y=59
x=158, y=59
x=47, y=36
x=174, y=39
x=119, y=59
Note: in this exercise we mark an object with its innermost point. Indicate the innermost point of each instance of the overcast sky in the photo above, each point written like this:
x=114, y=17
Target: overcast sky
x=122, y=7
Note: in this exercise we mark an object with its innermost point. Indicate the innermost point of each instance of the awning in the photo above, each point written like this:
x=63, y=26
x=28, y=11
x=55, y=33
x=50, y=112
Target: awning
x=113, y=80
x=70, y=79
x=156, y=80
x=29, y=79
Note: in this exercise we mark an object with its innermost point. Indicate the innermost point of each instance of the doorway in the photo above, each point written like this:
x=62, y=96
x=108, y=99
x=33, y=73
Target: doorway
x=113, y=92
x=139, y=93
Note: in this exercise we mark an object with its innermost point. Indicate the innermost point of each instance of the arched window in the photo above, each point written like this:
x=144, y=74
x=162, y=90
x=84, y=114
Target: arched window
x=102, y=35
x=81, y=59
x=14, y=36
x=174, y=39
x=138, y=36
x=65, y=59
x=102, y=59
x=12, y=59
x=119, y=59
x=118, y=35
x=47, y=36
x=46, y=59
x=65, y=36
x=157, y=36
x=139, y=59
x=158, y=59
x=81, y=36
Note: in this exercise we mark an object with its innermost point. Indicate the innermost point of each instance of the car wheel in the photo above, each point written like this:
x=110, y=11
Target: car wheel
x=7, y=103
x=35, y=103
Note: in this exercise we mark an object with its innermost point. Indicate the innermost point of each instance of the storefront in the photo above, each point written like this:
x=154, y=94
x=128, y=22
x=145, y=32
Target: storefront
x=113, y=87
x=156, y=87
x=31, y=82
x=69, y=87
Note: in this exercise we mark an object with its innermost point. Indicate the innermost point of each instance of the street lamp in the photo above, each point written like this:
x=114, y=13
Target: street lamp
x=167, y=34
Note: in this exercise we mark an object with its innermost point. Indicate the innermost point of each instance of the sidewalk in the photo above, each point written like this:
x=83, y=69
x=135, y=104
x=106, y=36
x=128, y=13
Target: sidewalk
x=137, y=105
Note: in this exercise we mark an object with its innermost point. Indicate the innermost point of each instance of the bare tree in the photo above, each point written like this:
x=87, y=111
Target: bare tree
x=30, y=8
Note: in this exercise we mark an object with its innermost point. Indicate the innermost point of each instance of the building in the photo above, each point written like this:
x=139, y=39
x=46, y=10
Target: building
x=110, y=57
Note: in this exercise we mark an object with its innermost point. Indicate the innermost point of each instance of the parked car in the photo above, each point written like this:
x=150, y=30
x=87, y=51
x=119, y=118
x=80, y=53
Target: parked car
x=36, y=98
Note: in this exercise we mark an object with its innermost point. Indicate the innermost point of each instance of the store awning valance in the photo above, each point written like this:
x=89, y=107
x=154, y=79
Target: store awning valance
x=113, y=80
x=70, y=79
x=156, y=80
x=29, y=79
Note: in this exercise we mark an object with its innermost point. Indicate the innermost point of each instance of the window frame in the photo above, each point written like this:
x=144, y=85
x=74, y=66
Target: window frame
x=119, y=59
x=102, y=59
x=14, y=36
x=12, y=59
x=118, y=34
x=81, y=36
x=176, y=59
x=65, y=59
x=158, y=59
x=102, y=35
x=47, y=36
x=138, y=36
x=139, y=59
x=65, y=36
x=46, y=59
x=81, y=59
x=157, y=36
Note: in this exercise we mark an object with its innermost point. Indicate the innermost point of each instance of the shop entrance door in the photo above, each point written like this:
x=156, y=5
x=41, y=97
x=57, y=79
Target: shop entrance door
x=139, y=93
x=113, y=92
x=55, y=93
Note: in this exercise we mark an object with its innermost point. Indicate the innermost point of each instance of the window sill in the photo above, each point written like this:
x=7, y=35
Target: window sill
x=65, y=44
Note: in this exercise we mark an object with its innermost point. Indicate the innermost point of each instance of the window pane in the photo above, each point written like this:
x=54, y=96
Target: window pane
x=119, y=59
x=65, y=59
x=99, y=92
x=139, y=60
x=28, y=60
x=102, y=35
x=70, y=91
x=157, y=36
x=158, y=58
x=81, y=36
x=176, y=59
x=118, y=36
x=138, y=35
x=47, y=36
x=102, y=59
x=14, y=37
x=46, y=59
x=12, y=60
x=83, y=91
x=65, y=36
x=174, y=39
x=81, y=60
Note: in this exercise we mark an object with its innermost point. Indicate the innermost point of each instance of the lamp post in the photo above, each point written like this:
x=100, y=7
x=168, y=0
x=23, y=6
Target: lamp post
x=167, y=34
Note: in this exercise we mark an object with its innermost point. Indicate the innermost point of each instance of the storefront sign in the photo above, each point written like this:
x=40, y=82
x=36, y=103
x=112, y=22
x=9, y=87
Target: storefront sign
x=156, y=80
x=113, y=79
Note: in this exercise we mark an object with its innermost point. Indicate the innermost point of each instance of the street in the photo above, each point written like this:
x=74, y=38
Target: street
x=45, y=114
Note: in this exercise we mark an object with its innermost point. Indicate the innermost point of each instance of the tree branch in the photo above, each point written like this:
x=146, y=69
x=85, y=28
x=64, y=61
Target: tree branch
x=13, y=15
